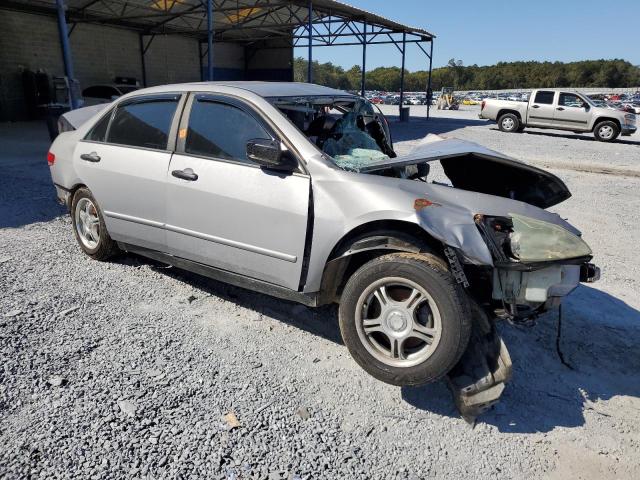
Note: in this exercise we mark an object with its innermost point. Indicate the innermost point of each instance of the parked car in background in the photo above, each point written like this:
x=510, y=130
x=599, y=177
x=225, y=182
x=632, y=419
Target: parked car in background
x=561, y=110
x=230, y=181
x=97, y=94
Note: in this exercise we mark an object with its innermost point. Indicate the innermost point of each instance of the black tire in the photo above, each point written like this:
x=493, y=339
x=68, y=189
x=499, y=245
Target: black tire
x=606, y=131
x=106, y=247
x=509, y=123
x=430, y=273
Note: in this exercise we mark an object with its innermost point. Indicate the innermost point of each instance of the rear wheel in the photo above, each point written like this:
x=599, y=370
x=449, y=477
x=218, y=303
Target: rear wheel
x=89, y=228
x=404, y=319
x=606, y=131
x=509, y=123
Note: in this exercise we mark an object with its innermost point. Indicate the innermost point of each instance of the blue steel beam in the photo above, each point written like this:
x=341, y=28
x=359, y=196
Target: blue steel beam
x=66, y=52
x=310, y=32
x=209, y=40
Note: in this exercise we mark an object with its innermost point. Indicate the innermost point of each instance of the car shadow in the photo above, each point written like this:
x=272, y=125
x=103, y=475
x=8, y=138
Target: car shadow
x=322, y=321
x=27, y=194
x=577, y=136
x=600, y=334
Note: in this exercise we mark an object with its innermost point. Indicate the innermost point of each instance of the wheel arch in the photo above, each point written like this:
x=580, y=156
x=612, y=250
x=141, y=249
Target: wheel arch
x=366, y=242
x=72, y=192
x=599, y=120
x=504, y=111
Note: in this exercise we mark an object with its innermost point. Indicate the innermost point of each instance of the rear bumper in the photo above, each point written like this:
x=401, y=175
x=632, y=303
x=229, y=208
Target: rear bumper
x=63, y=195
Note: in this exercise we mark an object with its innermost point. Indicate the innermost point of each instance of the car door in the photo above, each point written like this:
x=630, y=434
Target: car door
x=572, y=112
x=124, y=160
x=542, y=109
x=224, y=210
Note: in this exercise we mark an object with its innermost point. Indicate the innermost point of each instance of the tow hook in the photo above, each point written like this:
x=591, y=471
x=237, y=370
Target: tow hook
x=479, y=378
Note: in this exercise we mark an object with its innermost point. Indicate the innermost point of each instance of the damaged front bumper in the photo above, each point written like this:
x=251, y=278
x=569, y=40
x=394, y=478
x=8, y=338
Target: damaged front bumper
x=479, y=378
x=534, y=291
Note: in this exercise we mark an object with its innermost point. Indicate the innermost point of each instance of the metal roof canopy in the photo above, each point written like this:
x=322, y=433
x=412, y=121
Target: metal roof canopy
x=298, y=23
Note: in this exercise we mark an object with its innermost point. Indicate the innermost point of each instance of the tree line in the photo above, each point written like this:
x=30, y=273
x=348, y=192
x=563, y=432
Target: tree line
x=504, y=75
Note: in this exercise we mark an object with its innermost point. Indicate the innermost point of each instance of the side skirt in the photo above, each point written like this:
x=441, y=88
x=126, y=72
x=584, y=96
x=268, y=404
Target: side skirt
x=308, y=299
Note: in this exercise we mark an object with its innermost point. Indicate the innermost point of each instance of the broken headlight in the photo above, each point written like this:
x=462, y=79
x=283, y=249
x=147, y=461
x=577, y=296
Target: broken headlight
x=528, y=240
x=535, y=240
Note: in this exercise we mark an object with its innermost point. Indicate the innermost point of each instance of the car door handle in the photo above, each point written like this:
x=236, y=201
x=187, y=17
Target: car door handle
x=535, y=106
x=90, y=157
x=186, y=174
x=560, y=108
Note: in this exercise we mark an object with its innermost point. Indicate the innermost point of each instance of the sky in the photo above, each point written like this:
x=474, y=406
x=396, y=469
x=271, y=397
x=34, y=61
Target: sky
x=490, y=31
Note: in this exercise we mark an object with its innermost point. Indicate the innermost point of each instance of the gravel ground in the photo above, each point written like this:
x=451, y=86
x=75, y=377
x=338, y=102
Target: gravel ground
x=129, y=368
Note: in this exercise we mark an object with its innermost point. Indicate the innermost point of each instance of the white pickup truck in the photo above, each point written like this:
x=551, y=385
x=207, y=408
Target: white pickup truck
x=560, y=110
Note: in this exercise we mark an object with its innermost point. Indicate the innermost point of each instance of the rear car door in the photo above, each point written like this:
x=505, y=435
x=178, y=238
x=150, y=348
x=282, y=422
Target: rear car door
x=225, y=211
x=572, y=112
x=124, y=160
x=542, y=109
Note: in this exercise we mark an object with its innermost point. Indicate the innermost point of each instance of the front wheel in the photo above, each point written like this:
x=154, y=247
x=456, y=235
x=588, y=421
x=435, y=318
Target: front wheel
x=404, y=318
x=606, y=131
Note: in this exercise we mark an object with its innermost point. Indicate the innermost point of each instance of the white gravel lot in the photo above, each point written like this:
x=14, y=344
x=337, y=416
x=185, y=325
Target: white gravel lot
x=126, y=369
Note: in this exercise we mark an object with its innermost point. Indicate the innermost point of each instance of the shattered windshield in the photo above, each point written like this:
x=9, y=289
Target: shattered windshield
x=347, y=129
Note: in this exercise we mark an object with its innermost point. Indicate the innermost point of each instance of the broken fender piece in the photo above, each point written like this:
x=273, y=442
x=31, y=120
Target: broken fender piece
x=479, y=378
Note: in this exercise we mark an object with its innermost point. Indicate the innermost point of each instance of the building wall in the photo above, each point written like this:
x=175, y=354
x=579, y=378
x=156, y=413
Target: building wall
x=171, y=59
x=27, y=41
x=271, y=60
x=100, y=53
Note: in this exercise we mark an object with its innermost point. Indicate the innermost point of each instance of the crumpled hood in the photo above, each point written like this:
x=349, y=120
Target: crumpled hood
x=448, y=215
x=475, y=168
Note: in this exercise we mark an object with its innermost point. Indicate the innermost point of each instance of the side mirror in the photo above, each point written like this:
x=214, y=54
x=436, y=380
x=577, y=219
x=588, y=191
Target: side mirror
x=269, y=154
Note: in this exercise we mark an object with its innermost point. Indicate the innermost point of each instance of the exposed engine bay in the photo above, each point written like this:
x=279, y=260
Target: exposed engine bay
x=534, y=262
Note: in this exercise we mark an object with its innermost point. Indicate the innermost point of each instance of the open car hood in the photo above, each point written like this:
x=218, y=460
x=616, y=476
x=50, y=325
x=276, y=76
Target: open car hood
x=472, y=167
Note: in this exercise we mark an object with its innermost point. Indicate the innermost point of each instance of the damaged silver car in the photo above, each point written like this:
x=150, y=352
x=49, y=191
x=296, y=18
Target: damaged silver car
x=295, y=190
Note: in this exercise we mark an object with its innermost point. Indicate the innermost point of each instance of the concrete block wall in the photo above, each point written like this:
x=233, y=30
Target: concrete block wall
x=172, y=59
x=100, y=53
x=26, y=41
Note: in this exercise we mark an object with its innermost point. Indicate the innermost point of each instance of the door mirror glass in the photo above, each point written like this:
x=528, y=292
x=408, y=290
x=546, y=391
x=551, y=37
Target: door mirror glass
x=269, y=154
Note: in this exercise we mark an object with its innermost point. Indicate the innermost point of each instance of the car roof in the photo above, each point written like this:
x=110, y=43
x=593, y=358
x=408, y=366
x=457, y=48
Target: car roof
x=263, y=89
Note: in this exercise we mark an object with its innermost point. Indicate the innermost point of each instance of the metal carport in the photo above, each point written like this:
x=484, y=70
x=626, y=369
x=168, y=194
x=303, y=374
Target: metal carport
x=257, y=25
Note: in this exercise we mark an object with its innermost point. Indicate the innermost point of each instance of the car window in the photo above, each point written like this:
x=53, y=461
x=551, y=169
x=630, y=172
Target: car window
x=143, y=123
x=90, y=92
x=544, y=97
x=100, y=91
x=99, y=130
x=220, y=130
x=570, y=100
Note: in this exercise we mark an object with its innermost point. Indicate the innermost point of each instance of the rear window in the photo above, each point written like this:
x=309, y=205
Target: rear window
x=99, y=130
x=545, y=98
x=143, y=123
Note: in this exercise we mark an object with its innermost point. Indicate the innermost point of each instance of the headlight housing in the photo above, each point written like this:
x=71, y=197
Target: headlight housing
x=519, y=238
x=535, y=240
